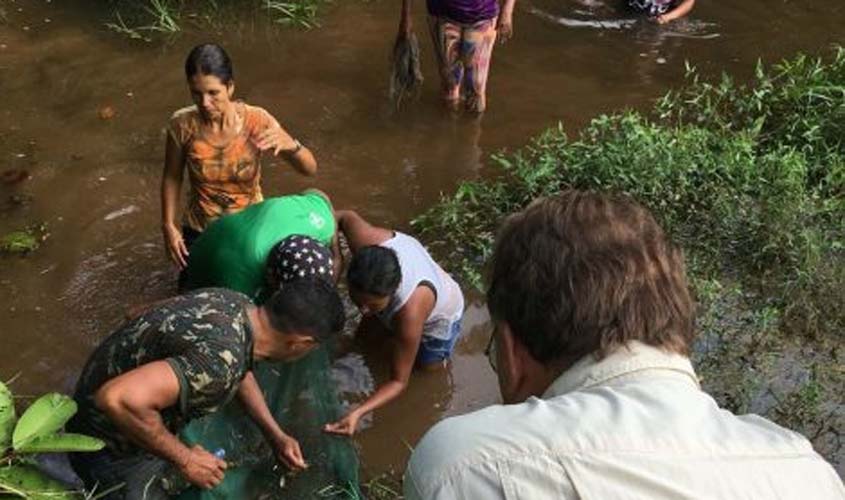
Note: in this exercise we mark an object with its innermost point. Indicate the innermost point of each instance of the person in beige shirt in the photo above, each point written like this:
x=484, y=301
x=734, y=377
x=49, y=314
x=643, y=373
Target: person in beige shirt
x=593, y=324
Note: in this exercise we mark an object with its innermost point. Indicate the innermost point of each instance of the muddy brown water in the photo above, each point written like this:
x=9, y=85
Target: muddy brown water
x=95, y=182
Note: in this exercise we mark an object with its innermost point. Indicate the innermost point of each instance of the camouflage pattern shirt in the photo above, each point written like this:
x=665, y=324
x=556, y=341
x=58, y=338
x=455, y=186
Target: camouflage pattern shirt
x=204, y=336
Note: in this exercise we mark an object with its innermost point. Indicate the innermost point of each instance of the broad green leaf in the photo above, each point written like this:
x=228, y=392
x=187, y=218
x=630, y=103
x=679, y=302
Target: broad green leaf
x=26, y=481
x=44, y=417
x=61, y=443
x=7, y=417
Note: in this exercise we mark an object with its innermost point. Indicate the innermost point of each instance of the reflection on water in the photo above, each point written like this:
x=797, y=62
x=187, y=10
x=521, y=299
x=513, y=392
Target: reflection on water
x=352, y=377
x=583, y=22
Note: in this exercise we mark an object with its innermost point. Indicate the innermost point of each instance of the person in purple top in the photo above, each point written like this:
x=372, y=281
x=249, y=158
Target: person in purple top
x=464, y=33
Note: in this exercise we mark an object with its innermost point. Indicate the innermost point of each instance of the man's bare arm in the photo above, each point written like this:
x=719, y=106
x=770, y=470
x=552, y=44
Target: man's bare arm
x=287, y=448
x=134, y=400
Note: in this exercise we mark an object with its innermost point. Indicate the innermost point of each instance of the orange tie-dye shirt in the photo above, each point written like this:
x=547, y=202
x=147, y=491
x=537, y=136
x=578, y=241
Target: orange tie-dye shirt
x=224, y=179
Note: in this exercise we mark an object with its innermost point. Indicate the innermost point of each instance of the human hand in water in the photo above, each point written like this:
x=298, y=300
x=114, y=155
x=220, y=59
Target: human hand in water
x=175, y=245
x=202, y=469
x=276, y=139
x=505, y=28
x=288, y=452
x=345, y=426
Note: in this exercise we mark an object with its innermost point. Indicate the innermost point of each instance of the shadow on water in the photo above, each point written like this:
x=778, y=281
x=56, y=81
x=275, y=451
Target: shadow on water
x=94, y=181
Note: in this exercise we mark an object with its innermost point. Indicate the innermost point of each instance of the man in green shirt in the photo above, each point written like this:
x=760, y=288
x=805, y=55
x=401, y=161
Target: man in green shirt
x=233, y=251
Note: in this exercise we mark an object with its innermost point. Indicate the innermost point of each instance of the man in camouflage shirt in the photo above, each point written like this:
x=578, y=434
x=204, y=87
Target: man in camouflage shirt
x=184, y=359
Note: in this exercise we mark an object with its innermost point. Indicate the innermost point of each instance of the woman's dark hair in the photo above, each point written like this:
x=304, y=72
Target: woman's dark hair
x=584, y=273
x=310, y=306
x=374, y=270
x=209, y=59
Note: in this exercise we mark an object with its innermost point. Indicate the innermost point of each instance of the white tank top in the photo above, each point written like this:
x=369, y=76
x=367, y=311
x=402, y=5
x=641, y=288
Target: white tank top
x=417, y=268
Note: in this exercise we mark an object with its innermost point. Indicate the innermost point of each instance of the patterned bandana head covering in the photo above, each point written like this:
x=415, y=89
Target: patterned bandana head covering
x=295, y=257
x=652, y=8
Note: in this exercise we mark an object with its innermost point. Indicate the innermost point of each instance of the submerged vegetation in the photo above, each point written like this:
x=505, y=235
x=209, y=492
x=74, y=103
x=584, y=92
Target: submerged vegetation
x=382, y=487
x=144, y=20
x=23, y=241
x=750, y=180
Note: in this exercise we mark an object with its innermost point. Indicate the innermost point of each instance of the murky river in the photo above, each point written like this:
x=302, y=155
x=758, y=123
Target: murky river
x=95, y=182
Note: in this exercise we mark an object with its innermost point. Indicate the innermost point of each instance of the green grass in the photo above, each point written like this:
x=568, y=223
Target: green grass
x=297, y=13
x=150, y=19
x=751, y=178
x=382, y=487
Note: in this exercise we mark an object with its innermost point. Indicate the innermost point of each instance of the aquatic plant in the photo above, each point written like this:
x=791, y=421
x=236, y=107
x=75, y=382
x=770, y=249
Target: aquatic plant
x=750, y=180
x=302, y=13
x=752, y=177
x=36, y=431
x=23, y=241
x=405, y=75
x=145, y=20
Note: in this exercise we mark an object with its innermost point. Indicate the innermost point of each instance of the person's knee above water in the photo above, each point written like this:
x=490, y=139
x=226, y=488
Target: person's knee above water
x=593, y=325
x=464, y=33
x=234, y=250
x=219, y=141
x=392, y=276
x=184, y=359
x=662, y=11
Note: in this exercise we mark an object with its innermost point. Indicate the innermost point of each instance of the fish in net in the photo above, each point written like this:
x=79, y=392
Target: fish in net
x=405, y=75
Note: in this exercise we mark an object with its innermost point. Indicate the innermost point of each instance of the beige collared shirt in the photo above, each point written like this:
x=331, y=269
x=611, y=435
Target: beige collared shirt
x=635, y=425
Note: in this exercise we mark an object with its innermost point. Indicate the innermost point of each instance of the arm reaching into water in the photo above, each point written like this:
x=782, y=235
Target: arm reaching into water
x=286, y=447
x=133, y=402
x=171, y=186
x=410, y=320
x=678, y=12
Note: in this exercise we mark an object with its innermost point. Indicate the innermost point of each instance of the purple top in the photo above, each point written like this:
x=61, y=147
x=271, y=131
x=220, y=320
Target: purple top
x=464, y=11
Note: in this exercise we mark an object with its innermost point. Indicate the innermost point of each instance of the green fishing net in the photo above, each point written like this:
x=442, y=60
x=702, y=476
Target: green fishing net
x=302, y=397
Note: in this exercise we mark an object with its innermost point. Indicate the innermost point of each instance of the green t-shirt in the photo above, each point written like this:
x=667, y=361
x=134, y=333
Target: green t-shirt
x=233, y=250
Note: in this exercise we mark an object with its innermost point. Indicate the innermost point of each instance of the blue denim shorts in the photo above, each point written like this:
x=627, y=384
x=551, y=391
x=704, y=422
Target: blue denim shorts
x=435, y=350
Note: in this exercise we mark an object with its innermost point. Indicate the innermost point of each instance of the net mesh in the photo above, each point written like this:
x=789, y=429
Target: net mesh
x=302, y=397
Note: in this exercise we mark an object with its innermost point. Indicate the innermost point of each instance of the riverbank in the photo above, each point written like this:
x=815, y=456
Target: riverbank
x=749, y=179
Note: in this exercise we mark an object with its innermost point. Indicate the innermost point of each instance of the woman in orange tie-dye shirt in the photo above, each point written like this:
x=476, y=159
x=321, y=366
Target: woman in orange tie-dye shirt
x=219, y=141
